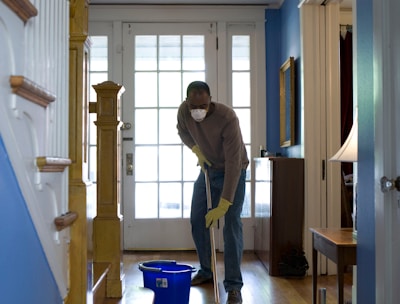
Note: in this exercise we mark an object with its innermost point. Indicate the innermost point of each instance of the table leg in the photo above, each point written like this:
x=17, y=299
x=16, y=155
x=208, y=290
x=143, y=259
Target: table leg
x=314, y=273
x=340, y=280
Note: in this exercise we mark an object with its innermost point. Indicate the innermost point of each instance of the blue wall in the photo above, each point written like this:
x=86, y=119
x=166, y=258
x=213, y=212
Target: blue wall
x=366, y=174
x=282, y=30
x=25, y=273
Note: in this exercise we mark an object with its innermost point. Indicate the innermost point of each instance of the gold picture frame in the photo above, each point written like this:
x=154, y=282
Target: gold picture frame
x=287, y=93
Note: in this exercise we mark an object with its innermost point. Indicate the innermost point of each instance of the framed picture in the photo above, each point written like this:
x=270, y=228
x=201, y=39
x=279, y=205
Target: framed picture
x=287, y=90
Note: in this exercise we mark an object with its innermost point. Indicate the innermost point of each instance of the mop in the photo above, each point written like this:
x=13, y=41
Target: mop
x=212, y=240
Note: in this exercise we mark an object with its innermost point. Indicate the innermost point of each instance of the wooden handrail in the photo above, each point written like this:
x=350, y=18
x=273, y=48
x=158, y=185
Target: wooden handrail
x=24, y=9
x=52, y=164
x=65, y=220
x=26, y=88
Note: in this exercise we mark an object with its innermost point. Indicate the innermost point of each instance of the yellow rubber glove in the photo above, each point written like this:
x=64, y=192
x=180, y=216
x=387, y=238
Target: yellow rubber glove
x=214, y=214
x=201, y=158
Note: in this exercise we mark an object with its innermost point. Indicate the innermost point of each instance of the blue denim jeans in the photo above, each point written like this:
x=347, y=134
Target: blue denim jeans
x=233, y=235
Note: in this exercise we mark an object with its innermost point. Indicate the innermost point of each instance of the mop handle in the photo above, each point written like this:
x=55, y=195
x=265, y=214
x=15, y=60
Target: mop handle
x=212, y=239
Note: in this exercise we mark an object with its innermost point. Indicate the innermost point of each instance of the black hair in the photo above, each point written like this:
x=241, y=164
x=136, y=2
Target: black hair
x=198, y=85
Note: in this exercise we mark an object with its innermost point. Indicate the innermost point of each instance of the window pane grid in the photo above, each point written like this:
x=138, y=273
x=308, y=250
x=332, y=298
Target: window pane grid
x=164, y=66
x=241, y=100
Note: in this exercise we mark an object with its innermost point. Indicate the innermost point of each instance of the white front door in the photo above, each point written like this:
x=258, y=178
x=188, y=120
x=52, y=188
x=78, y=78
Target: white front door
x=387, y=147
x=159, y=61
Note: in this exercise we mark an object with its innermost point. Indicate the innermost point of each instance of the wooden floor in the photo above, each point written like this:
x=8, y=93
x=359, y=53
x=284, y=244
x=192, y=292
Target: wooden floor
x=258, y=287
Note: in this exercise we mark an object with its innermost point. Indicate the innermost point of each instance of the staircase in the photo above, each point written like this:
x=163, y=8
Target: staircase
x=33, y=121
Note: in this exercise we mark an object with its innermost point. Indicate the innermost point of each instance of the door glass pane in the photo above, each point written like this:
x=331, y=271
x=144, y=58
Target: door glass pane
x=193, y=52
x=145, y=52
x=168, y=131
x=169, y=89
x=99, y=54
x=170, y=200
x=170, y=163
x=146, y=163
x=170, y=52
x=145, y=89
x=244, y=121
x=146, y=125
x=241, y=100
x=187, y=199
x=241, y=52
x=146, y=200
x=241, y=89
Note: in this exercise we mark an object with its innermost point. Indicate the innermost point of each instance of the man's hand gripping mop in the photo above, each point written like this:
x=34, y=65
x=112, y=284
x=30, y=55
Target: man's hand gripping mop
x=212, y=239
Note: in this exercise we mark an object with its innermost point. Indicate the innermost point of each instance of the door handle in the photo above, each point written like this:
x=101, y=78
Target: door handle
x=129, y=163
x=390, y=184
x=126, y=126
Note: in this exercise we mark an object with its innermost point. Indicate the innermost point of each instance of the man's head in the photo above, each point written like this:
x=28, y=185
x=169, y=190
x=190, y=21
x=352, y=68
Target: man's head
x=198, y=86
x=198, y=95
x=198, y=99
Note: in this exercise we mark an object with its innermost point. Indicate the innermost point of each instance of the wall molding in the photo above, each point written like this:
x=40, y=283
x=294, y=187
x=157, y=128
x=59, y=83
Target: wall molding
x=24, y=9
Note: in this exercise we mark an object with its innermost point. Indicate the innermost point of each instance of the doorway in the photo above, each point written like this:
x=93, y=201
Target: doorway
x=156, y=195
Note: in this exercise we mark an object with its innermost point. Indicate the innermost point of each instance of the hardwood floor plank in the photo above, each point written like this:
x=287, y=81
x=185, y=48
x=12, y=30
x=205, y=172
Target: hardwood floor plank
x=258, y=287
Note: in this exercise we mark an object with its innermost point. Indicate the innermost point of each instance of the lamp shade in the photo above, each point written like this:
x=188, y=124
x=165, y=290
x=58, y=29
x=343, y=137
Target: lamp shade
x=348, y=152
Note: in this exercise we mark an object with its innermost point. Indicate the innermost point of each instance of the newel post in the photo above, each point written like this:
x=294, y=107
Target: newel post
x=107, y=225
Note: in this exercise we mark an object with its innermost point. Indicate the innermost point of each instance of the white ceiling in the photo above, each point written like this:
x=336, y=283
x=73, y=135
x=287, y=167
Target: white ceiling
x=271, y=3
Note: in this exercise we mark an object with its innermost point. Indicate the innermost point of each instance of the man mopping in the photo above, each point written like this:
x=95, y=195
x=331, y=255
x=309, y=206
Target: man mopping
x=211, y=130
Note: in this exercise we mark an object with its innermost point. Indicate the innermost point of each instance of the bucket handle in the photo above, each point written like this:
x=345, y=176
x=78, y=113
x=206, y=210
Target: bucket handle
x=155, y=269
x=191, y=269
x=158, y=269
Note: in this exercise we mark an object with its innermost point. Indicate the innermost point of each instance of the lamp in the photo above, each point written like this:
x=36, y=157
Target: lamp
x=348, y=152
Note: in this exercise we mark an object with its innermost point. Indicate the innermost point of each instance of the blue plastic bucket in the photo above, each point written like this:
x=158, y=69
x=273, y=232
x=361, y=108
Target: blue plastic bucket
x=169, y=281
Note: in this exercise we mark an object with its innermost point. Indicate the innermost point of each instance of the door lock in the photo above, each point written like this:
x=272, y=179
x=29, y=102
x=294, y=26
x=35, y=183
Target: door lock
x=129, y=163
x=390, y=184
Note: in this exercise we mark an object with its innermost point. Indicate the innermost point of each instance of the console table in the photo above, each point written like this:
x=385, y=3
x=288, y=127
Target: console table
x=338, y=245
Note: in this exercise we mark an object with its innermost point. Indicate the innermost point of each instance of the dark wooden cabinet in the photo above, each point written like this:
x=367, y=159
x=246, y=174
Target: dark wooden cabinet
x=279, y=209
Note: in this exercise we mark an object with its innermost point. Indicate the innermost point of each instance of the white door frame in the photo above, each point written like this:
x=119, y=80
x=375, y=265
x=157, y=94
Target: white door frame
x=319, y=26
x=113, y=16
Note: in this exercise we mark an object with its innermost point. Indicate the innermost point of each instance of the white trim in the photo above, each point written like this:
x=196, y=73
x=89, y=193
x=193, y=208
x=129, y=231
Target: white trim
x=333, y=117
x=312, y=86
x=321, y=112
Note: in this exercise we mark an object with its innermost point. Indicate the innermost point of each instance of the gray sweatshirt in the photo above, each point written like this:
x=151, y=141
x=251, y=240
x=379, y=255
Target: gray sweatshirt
x=219, y=139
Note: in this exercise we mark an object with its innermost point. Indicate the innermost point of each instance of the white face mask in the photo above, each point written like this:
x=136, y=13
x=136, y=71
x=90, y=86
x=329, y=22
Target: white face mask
x=198, y=114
